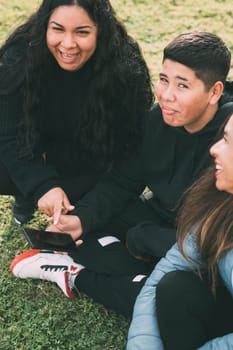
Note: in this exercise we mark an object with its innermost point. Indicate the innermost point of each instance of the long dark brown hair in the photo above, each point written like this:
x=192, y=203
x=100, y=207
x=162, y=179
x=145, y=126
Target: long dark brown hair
x=210, y=212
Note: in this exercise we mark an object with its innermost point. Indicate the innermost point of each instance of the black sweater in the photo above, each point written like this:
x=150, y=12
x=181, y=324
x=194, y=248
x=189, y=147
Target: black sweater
x=170, y=160
x=58, y=118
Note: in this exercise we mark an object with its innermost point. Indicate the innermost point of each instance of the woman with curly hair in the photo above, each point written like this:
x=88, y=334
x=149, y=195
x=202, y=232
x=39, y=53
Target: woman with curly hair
x=73, y=91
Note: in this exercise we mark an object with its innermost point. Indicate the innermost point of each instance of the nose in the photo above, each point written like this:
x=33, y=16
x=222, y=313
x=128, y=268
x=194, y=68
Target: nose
x=167, y=93
x=214, y=149
x=68, y=41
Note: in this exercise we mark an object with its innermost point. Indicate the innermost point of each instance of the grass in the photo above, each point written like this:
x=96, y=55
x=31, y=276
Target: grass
x=35, y=314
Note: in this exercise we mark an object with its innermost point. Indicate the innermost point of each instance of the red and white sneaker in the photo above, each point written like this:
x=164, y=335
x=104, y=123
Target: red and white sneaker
x=49, y=266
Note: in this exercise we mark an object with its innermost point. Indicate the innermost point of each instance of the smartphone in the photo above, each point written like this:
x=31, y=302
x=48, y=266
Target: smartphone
x=39, y=239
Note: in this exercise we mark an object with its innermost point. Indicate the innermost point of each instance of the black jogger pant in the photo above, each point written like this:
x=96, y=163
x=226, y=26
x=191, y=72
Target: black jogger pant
x=147, y=235
x=188, y=313
x=111, y=276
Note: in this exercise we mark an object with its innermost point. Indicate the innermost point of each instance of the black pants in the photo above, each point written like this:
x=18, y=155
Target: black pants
x=188, y=313
x=111, y=276
x=147, y=235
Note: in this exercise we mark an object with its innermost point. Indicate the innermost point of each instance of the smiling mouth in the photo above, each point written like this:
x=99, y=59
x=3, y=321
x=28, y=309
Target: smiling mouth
x=67, y=57
x=219, y=169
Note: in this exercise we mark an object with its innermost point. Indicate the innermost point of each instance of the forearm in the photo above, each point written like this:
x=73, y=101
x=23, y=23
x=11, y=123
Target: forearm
x=109, y=198
x=31, y=177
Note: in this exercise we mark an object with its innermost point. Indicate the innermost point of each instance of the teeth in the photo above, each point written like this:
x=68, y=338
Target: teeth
x=65, y=55
x=218, y=167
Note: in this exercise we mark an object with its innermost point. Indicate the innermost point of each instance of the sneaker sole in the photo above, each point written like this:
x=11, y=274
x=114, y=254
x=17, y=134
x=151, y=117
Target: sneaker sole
x=69, y=292
x=23, y=256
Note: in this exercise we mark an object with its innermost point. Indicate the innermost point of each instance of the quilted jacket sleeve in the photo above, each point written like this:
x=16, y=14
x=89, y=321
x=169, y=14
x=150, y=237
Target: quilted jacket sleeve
x=221, y=343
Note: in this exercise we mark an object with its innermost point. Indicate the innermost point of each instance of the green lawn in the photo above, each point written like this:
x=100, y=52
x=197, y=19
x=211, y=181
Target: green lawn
x=35, y=314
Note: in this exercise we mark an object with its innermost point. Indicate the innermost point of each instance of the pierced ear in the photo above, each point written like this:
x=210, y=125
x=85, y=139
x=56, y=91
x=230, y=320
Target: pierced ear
x=216, y=92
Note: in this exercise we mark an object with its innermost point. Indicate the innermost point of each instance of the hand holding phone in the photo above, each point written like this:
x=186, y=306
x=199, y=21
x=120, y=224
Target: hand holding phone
x=39, y=239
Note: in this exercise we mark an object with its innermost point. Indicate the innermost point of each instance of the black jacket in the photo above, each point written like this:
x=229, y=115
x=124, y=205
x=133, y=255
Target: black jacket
x=170, y=160
x=57, y=120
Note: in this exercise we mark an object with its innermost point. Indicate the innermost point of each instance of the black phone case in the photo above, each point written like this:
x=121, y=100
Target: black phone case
x=39, y=239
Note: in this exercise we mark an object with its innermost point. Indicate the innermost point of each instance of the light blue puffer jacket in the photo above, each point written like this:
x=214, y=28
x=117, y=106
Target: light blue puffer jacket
x=144, y=332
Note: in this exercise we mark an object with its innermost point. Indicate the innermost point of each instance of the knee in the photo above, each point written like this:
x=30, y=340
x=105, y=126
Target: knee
x=133, y=242
x=184, y=288
x=171, y=287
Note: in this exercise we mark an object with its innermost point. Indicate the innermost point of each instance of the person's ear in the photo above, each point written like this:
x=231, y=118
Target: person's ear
x=216, y=92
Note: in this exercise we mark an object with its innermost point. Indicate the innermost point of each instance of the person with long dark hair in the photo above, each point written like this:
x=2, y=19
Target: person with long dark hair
x=74, y=88
x=186, y=303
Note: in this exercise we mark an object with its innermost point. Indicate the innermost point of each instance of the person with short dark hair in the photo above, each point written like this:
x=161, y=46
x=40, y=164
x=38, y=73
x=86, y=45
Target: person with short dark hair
x=186, y=303
x=74, y=88
x=122, y=234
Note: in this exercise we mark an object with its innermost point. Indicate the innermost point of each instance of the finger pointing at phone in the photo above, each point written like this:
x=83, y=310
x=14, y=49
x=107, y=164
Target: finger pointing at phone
x=64, y=209
x=54, y=203
x=67, y=223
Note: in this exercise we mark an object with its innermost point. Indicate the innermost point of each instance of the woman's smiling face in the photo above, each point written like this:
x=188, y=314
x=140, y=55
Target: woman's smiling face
x=222, y=151
x=71, y=36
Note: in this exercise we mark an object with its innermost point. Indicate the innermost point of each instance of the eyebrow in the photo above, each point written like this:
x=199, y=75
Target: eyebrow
x=78, y=27
x=176, y=77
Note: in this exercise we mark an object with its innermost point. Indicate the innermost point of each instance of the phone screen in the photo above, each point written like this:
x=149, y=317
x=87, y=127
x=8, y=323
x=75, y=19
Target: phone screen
x=49, y=240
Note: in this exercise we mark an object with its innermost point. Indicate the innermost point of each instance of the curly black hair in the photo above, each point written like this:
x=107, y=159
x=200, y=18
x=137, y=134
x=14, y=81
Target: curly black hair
x=120, y=85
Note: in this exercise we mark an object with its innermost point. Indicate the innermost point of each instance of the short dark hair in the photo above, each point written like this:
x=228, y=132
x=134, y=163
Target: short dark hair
x=205, y=53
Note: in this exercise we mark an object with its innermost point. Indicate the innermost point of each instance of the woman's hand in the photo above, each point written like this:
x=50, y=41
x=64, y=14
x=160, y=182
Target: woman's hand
x=70, y=224
x=54, y=203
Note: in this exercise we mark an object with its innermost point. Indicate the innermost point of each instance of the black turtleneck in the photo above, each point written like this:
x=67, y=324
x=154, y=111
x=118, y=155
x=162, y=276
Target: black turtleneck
x=58, y=117
x=62, y=102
